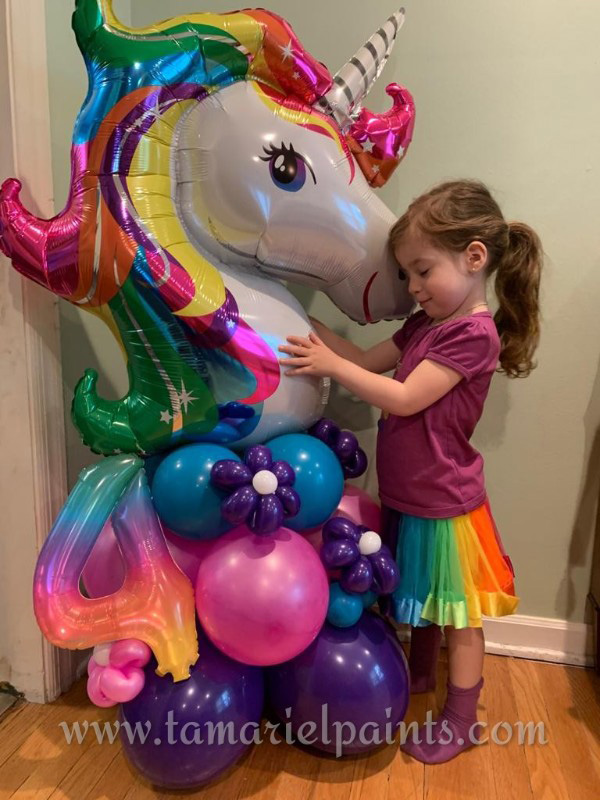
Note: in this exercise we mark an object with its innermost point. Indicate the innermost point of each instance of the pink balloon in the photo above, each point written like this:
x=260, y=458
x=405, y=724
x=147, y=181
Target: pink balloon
x=129, y=653
x=261, y=599
x=314, y=536
x=104, y=571
x=122, y=678
x=94, y=691
x=359, y=507
x=121, y=685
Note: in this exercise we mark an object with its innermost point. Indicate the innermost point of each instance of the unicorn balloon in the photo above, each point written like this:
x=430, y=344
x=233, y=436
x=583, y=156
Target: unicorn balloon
x=212, y=160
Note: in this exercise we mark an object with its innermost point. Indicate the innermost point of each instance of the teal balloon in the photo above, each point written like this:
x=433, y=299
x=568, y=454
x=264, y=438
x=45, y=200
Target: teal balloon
x=344, y=609
x=368, y=598
x=319, y=477
x=184, y=498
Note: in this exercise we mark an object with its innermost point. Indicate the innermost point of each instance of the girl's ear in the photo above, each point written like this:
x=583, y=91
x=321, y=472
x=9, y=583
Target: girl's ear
x=477, y=256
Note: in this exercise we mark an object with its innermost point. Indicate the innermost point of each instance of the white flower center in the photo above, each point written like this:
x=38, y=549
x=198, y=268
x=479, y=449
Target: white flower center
x=265, y=481
x=369, y=543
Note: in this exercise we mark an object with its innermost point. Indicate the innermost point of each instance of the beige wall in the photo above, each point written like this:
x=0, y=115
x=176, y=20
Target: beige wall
x=504, y=93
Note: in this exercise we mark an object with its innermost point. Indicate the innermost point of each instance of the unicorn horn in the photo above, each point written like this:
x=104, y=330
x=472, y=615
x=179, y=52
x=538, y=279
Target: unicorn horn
x=355, y=79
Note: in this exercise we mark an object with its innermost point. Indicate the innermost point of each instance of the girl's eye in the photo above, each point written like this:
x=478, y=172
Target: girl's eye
x=425, y=272
x=401, y=275
x=287, y=167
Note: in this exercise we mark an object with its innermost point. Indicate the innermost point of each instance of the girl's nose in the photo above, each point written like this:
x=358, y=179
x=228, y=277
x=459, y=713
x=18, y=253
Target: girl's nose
x=413, y=286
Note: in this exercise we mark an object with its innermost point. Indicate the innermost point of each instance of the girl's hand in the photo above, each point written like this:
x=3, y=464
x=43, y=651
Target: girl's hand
x=311, y=357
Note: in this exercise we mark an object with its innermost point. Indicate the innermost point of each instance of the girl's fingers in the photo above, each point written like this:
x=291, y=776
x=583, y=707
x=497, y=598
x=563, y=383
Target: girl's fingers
x=292, y=350
x=292, y=372
x=295, y=362
x=299, y=340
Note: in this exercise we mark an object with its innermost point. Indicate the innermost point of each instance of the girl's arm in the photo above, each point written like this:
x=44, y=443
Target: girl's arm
x=381, y=357
x=425, y=385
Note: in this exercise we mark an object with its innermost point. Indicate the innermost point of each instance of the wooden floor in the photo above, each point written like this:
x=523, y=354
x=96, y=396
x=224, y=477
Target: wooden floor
x=36, y=763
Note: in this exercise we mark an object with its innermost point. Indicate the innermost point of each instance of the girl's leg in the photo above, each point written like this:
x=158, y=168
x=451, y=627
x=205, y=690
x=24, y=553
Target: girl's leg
x=466, y=648
x=453, y=730
x=423, y=657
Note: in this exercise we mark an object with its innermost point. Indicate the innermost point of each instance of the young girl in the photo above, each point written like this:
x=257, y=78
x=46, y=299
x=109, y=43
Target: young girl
x=435, y=513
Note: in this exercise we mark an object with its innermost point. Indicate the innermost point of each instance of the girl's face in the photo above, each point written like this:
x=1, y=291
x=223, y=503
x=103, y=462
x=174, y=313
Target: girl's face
x=442, y=282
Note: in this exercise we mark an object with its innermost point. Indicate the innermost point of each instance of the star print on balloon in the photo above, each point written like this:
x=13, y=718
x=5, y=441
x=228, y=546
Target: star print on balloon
x=262, y=493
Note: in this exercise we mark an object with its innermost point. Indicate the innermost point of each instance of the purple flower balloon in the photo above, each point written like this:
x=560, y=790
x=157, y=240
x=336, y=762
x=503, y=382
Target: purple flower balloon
x=344, y=444
x=339, y=553
x=365, y=563
x=358, y=577
x=260, y=490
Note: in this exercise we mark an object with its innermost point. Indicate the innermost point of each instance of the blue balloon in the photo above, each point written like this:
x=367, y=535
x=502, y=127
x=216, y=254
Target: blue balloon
x=184, y=498
x=368, y=598
x=319, y=477
x=344, y=609
x=220, y=693
x=348, y=679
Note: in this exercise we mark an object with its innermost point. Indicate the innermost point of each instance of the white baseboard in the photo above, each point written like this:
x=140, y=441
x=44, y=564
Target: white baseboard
x=538, y=638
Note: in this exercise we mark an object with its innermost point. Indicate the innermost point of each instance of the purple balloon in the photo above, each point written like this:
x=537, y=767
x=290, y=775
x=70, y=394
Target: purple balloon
x=290, y=500
x=347, y=675
x=218, y=691
x=355, y=466
x=386, y=575
x=346, y=445
x=284, y=473
x=358, y=576
x=230, y=474
x=326, y=430
x=339, y=553
x=340, y=528
x=258, y=457
x=268, y=515
x=237, y=506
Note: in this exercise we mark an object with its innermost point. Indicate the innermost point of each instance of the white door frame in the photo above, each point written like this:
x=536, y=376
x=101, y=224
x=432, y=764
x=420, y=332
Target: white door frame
x=38, y=456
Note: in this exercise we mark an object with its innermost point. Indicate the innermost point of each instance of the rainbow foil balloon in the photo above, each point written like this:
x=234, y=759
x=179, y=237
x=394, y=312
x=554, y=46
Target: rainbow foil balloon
x=213, y=159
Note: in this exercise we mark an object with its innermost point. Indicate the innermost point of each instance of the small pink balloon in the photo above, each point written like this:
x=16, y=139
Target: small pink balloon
x=129, y=653
x=121, y=685
x=359, y=507
x=261, y=599
x=104, y=571
x=94, y=691
x=92, y=666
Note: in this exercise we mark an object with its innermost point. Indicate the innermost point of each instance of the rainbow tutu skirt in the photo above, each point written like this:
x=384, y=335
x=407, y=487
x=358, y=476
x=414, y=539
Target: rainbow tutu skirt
x=452, y=571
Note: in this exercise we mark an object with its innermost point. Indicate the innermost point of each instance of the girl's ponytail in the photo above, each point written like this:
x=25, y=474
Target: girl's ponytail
x=517, y=289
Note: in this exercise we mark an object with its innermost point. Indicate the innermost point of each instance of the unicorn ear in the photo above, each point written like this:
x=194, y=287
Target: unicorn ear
x=356, y=78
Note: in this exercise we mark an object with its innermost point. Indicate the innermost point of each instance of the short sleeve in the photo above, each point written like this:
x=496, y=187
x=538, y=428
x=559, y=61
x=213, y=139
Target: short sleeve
x=469, y=346
x=403, y=334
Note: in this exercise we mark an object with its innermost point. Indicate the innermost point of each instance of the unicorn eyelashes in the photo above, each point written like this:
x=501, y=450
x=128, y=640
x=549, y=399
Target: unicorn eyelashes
x=287, y=167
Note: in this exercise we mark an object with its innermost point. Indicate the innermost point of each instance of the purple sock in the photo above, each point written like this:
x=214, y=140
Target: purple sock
x=422, y=660
x=452, y=731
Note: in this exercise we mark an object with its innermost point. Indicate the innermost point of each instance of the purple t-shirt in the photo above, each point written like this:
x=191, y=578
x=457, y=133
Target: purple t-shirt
x=425, y=463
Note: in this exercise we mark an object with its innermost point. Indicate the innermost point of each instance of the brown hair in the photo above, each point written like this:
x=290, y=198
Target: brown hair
x=456, y=213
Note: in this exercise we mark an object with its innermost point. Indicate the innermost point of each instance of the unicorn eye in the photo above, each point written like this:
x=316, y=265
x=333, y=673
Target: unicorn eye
x=287, y=167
